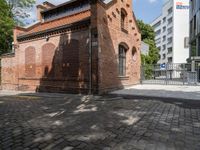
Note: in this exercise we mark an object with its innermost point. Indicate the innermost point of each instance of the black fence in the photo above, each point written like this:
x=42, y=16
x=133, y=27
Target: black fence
x=171, y=74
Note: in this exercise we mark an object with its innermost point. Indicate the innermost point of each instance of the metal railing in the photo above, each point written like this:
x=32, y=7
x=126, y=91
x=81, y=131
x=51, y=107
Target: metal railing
x=170, y=74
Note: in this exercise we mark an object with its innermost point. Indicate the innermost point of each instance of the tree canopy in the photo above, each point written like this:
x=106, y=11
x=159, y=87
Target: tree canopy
x=20, y=9
x=12, y=13
x=6, y=26
x=148, y=36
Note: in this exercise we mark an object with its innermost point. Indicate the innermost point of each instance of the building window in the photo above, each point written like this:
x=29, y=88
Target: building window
x=123, y=20
x=169, y=40
x=169, y=30
x=170, y=59
x=157, y=25
x=170, y=50
x=164, y=47
x=164, y=38
x=186, y=42
x=164, y=56
x=122, y=60
x=170, y=11
x=195, y=24
x=134, y=54
x=164, y=19
x=170, y=20
x=164, y=29
x=157, y=33
x=193, y=49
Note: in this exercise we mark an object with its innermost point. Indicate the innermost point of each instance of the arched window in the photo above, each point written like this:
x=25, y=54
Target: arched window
x=48, y=52
x=30, y=66
x=122, y=60
x=123, y=19
x=134, y=54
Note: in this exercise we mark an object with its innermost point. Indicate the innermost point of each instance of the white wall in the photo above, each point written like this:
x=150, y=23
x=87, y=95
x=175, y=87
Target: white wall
x=181, y=30
x=180, y=27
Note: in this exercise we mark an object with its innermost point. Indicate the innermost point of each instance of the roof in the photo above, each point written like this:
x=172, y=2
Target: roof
x=62, y=4
x=72, y=26
x=57, y=23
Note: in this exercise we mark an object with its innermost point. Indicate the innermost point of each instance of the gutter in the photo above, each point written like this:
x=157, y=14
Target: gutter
x=90, y=60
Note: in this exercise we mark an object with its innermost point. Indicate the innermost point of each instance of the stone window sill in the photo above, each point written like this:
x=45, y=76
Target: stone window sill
x=123, y=77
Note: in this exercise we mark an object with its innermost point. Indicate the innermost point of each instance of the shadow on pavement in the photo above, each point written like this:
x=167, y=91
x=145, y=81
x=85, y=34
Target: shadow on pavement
x=92, y=122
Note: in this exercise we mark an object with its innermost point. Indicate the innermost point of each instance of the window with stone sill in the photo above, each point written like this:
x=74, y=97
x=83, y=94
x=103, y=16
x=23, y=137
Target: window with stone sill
x=122, y=61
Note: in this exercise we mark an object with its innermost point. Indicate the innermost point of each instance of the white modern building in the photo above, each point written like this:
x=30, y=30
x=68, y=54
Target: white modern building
x=144, y=48
x=172, y=32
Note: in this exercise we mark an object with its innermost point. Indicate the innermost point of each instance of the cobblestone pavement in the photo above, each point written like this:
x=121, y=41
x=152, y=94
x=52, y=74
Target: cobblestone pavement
x=72, y=122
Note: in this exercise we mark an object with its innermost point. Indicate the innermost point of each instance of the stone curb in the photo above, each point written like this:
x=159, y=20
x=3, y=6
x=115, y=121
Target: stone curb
x=147, y=97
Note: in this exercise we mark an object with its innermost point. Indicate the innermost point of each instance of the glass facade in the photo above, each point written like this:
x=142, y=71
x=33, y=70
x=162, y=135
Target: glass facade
x=194, y=28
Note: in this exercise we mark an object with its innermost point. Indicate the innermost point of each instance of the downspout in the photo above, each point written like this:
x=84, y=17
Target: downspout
x=90, y=61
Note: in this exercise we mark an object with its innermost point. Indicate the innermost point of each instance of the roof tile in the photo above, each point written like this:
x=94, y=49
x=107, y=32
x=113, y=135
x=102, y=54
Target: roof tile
x=58, y=22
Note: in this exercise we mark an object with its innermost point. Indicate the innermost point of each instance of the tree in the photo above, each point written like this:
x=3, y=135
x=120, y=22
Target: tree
x=148, y=36
x=20, y=9
x=6, y=26
x=12, y=13
x=153, y=52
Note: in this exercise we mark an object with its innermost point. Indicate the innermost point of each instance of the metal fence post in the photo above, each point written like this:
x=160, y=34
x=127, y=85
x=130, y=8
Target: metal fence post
x=166, y=74
x=183, y=74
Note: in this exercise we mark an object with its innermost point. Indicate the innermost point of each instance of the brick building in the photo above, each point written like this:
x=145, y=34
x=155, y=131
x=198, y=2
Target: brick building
x=77, y=47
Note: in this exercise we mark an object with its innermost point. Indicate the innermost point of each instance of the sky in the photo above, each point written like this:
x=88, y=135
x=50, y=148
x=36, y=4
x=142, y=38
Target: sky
x=146, y=10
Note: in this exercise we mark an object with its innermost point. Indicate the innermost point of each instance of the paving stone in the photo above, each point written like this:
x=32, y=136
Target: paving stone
x=68, y=148
x=159, y=125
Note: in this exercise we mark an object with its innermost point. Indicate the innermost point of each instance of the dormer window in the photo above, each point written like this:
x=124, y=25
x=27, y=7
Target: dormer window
x=124, y=19
x=65, y=10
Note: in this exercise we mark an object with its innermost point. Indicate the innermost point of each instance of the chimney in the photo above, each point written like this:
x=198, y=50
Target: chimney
x=44, y=6
x=40, y=8
x=48, y=5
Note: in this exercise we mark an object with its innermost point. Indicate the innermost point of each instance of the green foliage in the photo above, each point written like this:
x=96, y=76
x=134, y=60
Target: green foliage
x=148, y=71
x=146, y=30
x=6, y=26
x=153, y=56
x=148, y=36
x=20, y=9
x=12, y=12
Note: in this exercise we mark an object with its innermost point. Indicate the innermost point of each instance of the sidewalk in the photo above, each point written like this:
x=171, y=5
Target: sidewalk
x=32, y=93
x=162, y=91
x=12, y=93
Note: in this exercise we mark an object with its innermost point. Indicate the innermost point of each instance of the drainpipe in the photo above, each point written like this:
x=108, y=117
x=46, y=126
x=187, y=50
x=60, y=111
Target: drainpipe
x=90, y=61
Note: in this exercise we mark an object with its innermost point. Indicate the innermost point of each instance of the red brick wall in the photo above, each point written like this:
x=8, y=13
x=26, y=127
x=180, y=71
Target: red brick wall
x=110, y=36
x=60, y=63
x=30, y=62
x=9, y=73
x=48, y=52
